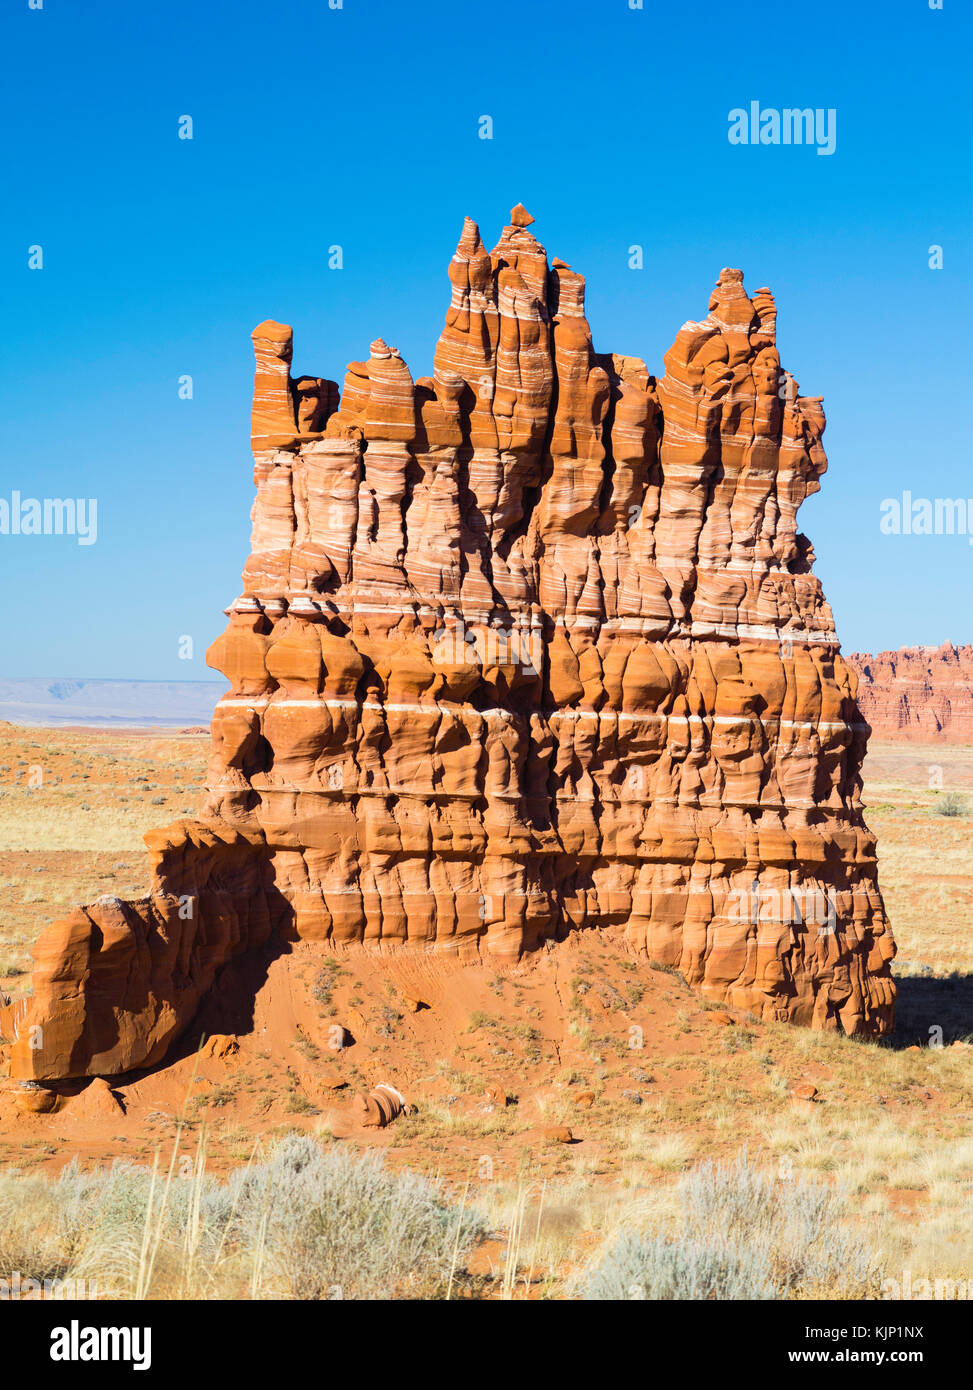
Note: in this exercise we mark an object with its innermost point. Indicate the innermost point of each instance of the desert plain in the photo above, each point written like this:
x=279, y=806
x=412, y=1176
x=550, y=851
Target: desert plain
x=553, y=1106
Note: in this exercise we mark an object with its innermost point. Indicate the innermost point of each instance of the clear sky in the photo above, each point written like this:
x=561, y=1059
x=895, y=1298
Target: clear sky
x=359, y=126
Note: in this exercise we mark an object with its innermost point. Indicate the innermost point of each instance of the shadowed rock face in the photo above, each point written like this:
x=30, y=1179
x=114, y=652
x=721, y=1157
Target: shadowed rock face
x=528, y=646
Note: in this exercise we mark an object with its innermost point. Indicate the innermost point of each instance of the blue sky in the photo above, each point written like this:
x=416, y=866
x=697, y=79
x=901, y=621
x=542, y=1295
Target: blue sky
x=359, y=127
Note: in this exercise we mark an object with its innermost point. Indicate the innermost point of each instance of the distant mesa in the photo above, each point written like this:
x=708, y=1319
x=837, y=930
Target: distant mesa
x=527, y=647
x=107, y=703
x=917, y=694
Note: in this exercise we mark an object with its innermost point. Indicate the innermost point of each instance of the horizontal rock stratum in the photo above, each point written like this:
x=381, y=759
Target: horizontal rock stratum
x=529, y=646
x=921, y=694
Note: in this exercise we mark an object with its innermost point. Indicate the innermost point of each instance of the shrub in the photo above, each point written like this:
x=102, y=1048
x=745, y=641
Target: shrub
x=951, y=804
x=654, y=1267
x=743, y=1234
x=304, y=1223
x=803, y=1225
x=331, y=1222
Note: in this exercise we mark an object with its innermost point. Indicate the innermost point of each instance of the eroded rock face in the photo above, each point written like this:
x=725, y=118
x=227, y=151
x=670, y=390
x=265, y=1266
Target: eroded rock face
x=528, y=646
x=921, y=694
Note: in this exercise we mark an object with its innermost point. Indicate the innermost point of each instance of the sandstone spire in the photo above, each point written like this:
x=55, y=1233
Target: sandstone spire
x=527, y=646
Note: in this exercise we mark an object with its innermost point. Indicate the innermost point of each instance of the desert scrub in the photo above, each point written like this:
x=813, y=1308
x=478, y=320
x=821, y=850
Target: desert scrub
x=326, y=980
x=950, y=804
x=654, y=1267
x=303, y=1223
x=804, y=1225
x=332, y=1222
x=479, y=1019
x=741, y=1234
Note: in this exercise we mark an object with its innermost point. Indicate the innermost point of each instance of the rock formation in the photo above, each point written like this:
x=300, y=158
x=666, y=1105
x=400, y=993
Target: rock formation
x=529, y=646
x=922, y=694
x=380, y=1107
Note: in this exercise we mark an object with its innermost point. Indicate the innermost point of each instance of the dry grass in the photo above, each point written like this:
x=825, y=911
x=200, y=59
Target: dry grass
x=73, y=809
x=925, y=859
x=299, y=1222
x=97, y=790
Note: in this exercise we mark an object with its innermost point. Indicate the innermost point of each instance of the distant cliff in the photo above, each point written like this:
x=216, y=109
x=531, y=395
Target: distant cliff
x=924, y=694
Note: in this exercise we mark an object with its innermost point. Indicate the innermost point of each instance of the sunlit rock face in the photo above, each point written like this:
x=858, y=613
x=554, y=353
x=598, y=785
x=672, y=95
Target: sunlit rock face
x=921, y=694
x=529, y=646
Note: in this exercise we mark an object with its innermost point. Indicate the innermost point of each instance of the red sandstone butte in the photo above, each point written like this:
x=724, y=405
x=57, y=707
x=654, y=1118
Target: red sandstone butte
x=921, y=694
x=528, y=646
